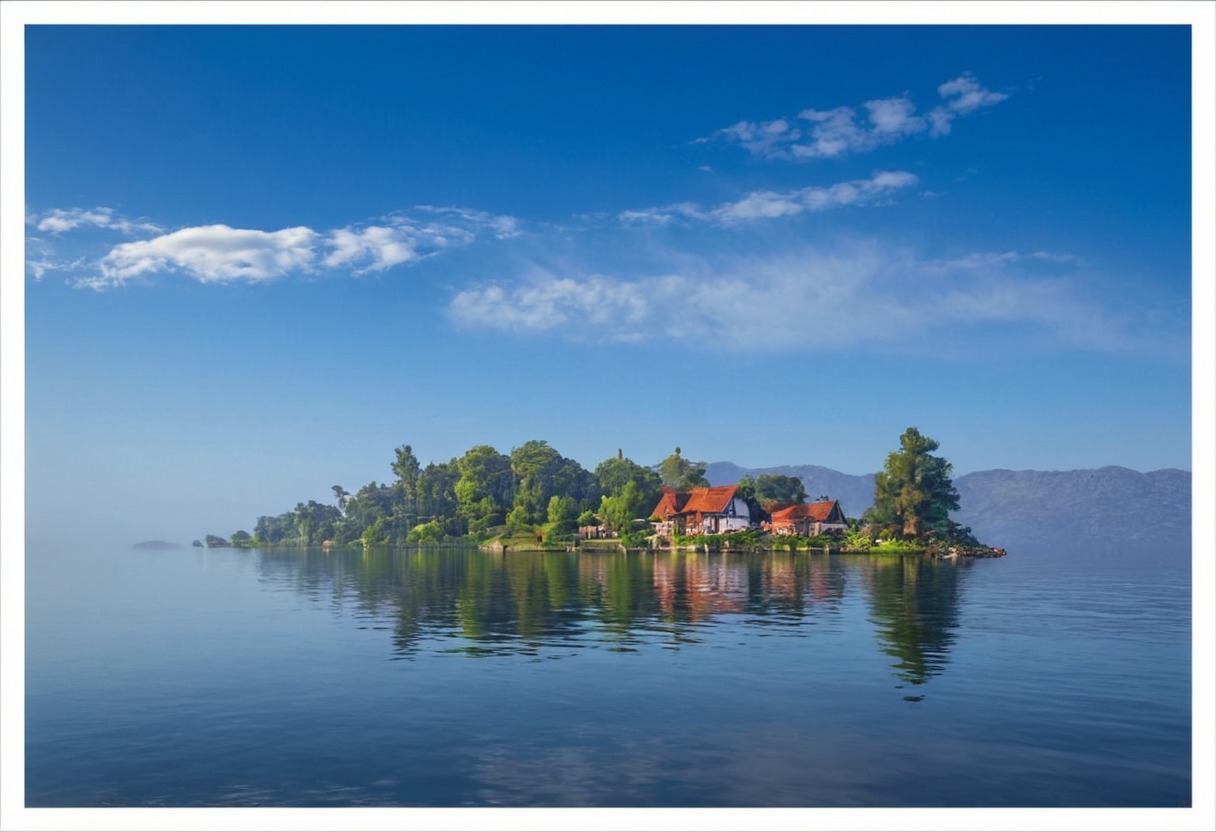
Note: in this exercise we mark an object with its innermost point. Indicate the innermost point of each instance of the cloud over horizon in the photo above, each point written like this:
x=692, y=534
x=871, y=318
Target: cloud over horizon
x=825, y=134
x=805, y=298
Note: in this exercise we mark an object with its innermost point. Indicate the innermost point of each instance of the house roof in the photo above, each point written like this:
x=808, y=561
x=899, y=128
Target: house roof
x=818, y=512
x=713, y=500
x=670, y=503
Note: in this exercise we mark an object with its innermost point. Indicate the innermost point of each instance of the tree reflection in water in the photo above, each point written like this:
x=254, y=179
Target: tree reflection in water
x=480, y=603
x=914, y=604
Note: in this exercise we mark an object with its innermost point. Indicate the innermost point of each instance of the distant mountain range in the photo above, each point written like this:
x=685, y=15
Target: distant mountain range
x=1108, y=508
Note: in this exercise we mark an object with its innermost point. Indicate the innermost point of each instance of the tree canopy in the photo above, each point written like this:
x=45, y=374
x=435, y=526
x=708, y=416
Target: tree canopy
x=914, y=495
x=774, y=490
x=677, y=472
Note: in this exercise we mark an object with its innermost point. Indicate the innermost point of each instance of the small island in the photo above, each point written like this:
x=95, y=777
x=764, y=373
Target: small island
x=535, y=499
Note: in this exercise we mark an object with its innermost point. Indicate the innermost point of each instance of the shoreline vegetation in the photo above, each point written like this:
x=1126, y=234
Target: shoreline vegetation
x=536, y=500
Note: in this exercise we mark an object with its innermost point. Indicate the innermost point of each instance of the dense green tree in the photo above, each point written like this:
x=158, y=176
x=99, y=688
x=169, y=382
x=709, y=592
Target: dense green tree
x=618, y=511
x=437, y=496
x=367, y=509
x=563, y=517
x=541, y=473
x=341, y=495
x=273, y=531
x=615, y=472
x=407, y=469
x=774, y=490
x=677, y=472
x=534, y=466
x=484, y=490
x=913, y=494
x=315, y=522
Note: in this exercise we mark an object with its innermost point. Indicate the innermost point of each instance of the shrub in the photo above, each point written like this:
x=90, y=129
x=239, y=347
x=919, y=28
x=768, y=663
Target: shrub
x=426, y=532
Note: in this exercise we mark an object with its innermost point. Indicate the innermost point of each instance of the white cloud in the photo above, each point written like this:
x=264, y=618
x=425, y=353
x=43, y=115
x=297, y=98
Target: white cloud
x=762, y=139
x=840, y=131
x=547, y=302
x=211, y=254
x=833, y=133
x=965, y=95
x=501, y=226
x=400, y=240
x=894, y=116
x=760, y=205
x=58, y=220
x=991, y=260
x=219, y=253
x=378, y=246
x=804, y=299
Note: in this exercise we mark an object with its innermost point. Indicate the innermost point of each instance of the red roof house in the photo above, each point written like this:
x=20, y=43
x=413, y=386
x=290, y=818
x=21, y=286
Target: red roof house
x=712, y=510
x=809, y=519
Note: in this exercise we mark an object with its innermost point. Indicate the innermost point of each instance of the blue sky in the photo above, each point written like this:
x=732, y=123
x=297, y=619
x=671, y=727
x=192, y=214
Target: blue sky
x=259, y=258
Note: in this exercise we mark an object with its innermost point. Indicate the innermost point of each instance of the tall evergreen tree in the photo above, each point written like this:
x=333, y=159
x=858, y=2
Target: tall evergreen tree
x=913, y=494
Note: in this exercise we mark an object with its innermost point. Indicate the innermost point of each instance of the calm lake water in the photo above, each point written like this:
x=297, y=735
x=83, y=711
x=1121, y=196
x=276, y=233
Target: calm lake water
x=198, y=677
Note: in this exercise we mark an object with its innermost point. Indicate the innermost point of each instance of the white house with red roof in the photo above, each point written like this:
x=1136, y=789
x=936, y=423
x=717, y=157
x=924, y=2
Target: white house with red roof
x=714, y=510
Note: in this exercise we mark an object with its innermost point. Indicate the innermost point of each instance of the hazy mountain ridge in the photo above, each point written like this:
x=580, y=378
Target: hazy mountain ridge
x=1111, y=507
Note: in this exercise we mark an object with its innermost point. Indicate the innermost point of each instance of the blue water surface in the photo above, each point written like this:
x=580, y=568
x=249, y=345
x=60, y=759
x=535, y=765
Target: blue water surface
x=195, y=678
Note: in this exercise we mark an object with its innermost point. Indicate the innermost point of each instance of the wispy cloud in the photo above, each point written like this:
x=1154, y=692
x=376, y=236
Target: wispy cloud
x=803, y=299
x=219, y=253
x=549, y=301
x=59, y=220
x=824, y=134
x=399, y=239
x=502, y=226
x=760, y=205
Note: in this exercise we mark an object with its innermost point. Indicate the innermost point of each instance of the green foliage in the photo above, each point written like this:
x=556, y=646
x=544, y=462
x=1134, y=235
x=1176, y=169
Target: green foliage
x=541, y=473
x=620, y=510
x=431, y=532
x=857, y=539
x=636, y=539
x=745, y=539
x=913, y=494
x=896, y=546
x=814, y=543
x=615, y=473
x=533, y=495
x=407, y=469
x=485, y=488
x=315, y=522
x=437, y=496
x=563, y=514
x=677, y=472
x=775, y=490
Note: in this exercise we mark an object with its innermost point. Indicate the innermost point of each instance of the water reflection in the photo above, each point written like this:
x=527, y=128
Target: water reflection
x=492, y=604
x=914, y=605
